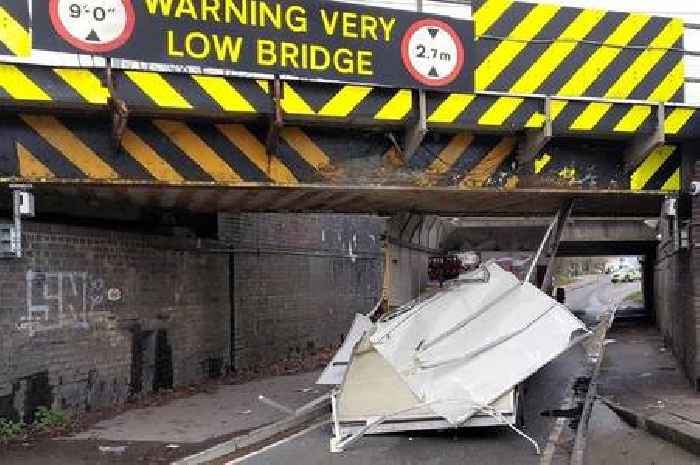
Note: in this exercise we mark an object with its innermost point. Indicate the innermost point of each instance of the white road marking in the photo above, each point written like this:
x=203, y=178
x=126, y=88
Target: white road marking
x=278, y=443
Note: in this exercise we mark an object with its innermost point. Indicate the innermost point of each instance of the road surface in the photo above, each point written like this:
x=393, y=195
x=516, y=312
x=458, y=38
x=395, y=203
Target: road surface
x=547, y=389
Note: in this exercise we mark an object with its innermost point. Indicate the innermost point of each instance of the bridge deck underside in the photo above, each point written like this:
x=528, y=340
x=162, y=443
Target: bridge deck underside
x=346, y=199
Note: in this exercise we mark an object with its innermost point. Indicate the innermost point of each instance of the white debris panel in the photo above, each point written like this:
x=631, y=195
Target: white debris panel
x=458, y=352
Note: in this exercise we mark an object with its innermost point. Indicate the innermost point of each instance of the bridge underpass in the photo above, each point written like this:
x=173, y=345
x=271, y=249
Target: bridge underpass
x=162, y=201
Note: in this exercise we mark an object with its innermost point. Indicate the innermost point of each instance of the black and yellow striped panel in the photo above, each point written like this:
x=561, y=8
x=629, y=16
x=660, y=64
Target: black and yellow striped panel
x=346, y=102
x=36, y=147
x=682, y=123
x=41, y=146
x=602, y=118
x=527, y=48
x=15, y=37
x=660, y=171
x=598, y=165
x=140, y=89
x=469, y=111
x=203, y=94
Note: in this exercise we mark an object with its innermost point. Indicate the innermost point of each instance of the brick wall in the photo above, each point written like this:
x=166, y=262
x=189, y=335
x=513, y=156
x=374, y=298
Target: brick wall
x=299, y=280
x=87, y=315
x=676, y=285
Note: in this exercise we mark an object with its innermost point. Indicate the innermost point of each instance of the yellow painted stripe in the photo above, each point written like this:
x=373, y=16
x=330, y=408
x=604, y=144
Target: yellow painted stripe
x=589, y=117
x=149, y=158
x=397, y=107
x=223, y=93
x=488, y=14
x=70, y=146
x=556, y=53
x=670, y=85
x=542, y=162
x=19, y=86
x=451, y=153
x=634, y=118
x=507, y=50
x=557, y=106
x=15, y=37
x=264, y=85
x=673, y=183
x=678, y=119
x=345, y=101
x=256, y=152
x=85, y=83
x=158, y=89
x=449, y=109
x=293, y=103
x=30, y=166
x=600, y=60
x=643, y=64
x=195, y=148
x=499, y=112
x=651, y=165
x=537, y=120
x=305, y=147
x=490, y=163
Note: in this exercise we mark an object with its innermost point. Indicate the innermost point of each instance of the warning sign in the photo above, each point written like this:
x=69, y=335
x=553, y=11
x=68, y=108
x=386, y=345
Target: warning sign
x=93, y=26
x=432, y=52
x=307, y=39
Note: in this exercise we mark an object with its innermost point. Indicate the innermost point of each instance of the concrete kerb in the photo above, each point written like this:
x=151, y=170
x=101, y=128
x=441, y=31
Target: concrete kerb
x=666, y=426
x=577, y=455
x=307, y=413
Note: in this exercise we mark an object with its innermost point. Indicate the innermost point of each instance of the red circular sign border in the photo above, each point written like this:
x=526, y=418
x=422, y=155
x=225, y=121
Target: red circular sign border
x=87, y=46
x=407, y=61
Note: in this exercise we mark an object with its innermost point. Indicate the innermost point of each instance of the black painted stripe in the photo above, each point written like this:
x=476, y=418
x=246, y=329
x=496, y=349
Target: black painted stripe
x=315, y=95
x=18, y=131
x=666, y=170
x=169, y=152
x=52, y=84
x=96, y=134
x=292, y=160
x=476, y=151
x=228, y=152
x=253, y=93
x=186, y=86
x=522, y=115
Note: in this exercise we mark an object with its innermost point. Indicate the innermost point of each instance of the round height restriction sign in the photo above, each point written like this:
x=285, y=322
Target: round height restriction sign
x=93, y=25
x=432, y=52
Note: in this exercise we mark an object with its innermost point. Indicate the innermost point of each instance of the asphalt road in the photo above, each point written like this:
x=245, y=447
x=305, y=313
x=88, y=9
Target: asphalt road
x=546, y=390
x=597, y=294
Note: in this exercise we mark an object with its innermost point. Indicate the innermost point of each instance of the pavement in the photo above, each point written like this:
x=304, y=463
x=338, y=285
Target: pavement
x=611, y=441
x=165, y=433
x=641, y=381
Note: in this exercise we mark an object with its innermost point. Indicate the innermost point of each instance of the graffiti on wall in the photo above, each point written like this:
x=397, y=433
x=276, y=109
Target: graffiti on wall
x=61, y=299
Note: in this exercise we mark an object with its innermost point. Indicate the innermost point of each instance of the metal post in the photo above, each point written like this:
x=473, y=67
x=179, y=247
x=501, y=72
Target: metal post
x=565, y=211
x=17, y=217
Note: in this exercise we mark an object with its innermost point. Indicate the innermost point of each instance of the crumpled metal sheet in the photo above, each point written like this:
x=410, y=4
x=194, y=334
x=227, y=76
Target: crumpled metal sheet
x=463, y=348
